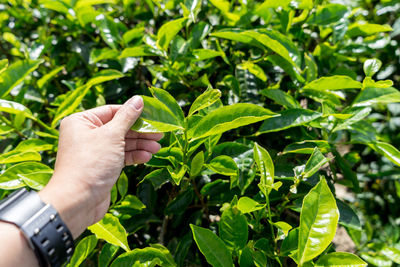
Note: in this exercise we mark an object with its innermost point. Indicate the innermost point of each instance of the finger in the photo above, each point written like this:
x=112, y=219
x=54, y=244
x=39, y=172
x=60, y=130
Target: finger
x=137, y=157
x=142, y=144
x=150, y=136
x=127, y=114
x=102, y=114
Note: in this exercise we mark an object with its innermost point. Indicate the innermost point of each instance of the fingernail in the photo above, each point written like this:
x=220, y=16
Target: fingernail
x=136, y=102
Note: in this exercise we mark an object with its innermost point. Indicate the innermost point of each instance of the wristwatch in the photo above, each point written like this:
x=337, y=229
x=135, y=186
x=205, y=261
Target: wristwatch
x=40, y=223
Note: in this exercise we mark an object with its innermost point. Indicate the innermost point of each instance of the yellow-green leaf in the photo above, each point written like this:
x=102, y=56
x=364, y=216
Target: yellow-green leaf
x=111, y=230
x=318, y=221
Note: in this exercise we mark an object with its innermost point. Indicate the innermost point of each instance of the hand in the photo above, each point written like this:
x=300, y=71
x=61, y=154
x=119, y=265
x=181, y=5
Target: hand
x=94, y=146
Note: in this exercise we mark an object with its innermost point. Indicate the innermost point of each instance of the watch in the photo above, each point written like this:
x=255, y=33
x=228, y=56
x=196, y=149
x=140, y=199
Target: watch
x=40, y=223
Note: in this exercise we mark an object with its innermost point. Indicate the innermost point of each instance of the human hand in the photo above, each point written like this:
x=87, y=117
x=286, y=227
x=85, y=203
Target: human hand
x=94, y=146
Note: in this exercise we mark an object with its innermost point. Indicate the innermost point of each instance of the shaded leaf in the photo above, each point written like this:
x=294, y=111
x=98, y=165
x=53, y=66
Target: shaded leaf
x=212, y=247
x=288, y=119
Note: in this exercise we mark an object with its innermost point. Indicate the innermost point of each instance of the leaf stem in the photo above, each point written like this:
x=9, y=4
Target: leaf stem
x=8, y=123
x=270, y=221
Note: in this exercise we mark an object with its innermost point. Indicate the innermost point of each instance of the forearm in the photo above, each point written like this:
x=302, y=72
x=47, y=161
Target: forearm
x=14, y=248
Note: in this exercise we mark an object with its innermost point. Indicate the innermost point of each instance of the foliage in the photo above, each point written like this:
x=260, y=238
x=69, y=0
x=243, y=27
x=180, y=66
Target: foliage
x=266, y=107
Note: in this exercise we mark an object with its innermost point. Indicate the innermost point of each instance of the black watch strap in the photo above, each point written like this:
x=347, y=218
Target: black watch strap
x=46, y=233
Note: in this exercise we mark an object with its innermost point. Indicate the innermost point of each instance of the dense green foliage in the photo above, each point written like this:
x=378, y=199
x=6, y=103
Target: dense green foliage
x=313, y=82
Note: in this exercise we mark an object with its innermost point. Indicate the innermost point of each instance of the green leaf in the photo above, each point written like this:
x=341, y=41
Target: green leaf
x=336, y=82
x=346, y=170
x=107, y=254
x=224, y=165
x=272, y=44
x=111, y=230
x=168, y=31
x=145, y=256
x=157, y=177
x=137, y=51
x=247, y=205
x=156, y=117
x=85, y=3
x=15, y=74
x=233, y=228
x=3, y=66
x=391, y=253
x=365, y=29
x=288, y=119
x=374, y=95
x=15, y=108
x=236, y=36
x=340, y=259
x=177, y=174
x=265, y=167
x=212, y=247
x=83, y=250
x=327, y=14
x=254, y=69
x=72, y=101
x=19, y=156
x=170, y=102
x=108, y=30
x=135, y=33
x=33, y=145
x=290, y=243
x=281, y=98
x=229, y=117
x=197, y=164
x=284, y=226
x=307, y=147
x=358, y=115
x=42, y=81
x=33, y=174
x=204, y=54
x=55, y=5
x=204, y=100
x=179, y=204
x=130, y=204
x=372, y=66
x=377, y=260
x=348, y=217
x=122, y=184
x=387, y=150
x=97, y=55
x=224, y=7
x=193, y=7
x=318, y=221
x=314, y=163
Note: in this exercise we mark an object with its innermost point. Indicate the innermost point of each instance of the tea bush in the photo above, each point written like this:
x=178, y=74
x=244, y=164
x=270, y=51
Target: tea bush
x=267, y=108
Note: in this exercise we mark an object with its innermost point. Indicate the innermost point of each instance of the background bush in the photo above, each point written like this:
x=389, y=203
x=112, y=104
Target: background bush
x=313, y=82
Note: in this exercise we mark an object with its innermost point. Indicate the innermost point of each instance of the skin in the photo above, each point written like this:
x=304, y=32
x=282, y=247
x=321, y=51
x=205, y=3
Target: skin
x=94, y=146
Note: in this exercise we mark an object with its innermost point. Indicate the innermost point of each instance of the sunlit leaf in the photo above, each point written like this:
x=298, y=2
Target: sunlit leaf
x=16, y=73
x=318, y=221
x=111, y=230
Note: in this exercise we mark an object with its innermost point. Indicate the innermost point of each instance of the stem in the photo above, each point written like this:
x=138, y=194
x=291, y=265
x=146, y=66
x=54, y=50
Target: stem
x=8, y=123
x=270, y=219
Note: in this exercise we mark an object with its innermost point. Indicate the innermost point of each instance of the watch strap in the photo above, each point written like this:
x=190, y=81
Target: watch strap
x=46, y=233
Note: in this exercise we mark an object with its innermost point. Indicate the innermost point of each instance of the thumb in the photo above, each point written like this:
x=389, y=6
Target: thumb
x=127, y=115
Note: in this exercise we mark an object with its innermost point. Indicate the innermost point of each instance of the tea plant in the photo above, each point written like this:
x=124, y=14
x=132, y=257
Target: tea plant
x=266, y=107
